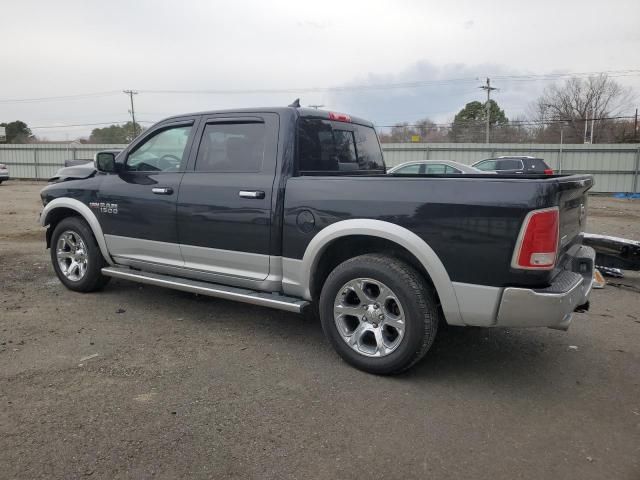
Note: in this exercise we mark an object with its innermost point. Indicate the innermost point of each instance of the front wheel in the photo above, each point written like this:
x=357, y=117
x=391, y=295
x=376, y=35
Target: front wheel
x=76, y=257
x=379, y=313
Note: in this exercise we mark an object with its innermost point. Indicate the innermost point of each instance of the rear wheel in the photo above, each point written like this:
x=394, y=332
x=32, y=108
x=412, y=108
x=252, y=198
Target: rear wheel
x=76, y=257
x=379, y=313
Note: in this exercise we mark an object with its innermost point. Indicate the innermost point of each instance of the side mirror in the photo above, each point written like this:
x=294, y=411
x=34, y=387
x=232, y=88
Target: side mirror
x=105, y=162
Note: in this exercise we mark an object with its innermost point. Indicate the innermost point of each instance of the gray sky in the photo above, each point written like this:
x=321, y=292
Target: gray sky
x=81, y=47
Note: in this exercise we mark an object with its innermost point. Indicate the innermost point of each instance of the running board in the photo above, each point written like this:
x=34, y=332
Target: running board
x=263, y=299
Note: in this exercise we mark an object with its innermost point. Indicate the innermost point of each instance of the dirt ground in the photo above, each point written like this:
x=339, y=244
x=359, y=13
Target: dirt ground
x=142, y=382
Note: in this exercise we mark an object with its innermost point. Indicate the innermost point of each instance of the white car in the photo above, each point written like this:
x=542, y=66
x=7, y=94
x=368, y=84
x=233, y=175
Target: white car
x=433, y=167
x=4, y=172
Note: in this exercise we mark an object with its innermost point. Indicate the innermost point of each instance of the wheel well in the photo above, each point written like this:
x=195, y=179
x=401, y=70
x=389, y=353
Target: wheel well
x=55, y=216
x=351, y=246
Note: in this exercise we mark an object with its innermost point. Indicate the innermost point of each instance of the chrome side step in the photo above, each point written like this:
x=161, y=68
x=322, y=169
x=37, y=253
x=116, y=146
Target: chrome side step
x=290, y=304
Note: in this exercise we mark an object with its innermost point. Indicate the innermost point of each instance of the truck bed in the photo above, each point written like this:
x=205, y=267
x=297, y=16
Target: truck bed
x=470, y=221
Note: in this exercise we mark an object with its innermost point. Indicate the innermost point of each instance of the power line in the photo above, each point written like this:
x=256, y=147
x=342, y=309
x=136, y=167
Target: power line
x=60, y=97
x=88, y=124
x=381, y=86
x=398, y=125
x=413, y=84
x=77, y=125
x=511, y=122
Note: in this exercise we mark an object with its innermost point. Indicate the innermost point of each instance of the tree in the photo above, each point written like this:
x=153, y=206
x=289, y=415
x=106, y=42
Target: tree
x=573, y=104
x=17, y=132
x=469, y=124
x=426, y=130
x=115, y=133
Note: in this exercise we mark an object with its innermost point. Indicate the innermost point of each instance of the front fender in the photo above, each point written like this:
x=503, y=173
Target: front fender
x=85, y=212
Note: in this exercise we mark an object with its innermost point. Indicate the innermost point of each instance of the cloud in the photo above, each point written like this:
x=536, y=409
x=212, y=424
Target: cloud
x=311, y=24
x=451, y=87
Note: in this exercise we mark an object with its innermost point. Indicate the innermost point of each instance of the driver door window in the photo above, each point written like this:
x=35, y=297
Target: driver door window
x=163, y=152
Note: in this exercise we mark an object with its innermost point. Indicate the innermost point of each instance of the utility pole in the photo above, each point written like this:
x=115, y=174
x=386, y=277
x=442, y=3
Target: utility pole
x=593, y=119
x=586, y=124
x=635, y=127
x=488, y=88
x=131, y=93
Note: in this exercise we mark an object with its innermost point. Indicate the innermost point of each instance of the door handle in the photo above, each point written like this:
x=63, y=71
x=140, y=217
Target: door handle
x=257, y=194
x=162, y=190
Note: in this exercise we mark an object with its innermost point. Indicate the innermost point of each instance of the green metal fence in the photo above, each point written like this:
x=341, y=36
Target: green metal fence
x=615, y=166
x=41, y=161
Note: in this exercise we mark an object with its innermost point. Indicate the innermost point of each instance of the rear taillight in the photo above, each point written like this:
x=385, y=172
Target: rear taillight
x=537, y=245
x=339, y=117
x=548, y=171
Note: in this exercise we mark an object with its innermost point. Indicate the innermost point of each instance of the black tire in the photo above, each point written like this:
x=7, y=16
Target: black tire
x=92, y=279
x=415, y=295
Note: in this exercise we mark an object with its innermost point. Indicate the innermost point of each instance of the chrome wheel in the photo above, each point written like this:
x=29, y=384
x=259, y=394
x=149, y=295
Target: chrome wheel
x=72, y=255
x=369, y=317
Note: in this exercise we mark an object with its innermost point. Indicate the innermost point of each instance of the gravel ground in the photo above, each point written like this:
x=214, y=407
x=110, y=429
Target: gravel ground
x=142, y=382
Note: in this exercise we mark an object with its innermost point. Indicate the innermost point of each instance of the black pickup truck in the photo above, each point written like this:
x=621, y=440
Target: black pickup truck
x=292, y=208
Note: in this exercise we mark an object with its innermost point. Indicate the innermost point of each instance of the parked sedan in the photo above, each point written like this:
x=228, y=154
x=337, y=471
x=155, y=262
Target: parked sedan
x=508, y=165
x=433, y=167
x=4, y=172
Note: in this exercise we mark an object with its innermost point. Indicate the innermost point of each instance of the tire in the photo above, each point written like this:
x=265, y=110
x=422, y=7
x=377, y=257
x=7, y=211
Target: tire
x=387, y=339
x=87, y=253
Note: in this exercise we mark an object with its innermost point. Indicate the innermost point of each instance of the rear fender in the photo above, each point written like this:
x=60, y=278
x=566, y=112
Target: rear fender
x=298, y=273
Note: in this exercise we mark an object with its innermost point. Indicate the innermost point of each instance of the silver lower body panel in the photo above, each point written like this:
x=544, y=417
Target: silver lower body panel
x=553, y=306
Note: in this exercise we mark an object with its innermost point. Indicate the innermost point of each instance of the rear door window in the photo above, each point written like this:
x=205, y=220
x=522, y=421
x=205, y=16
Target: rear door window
x=510, y=164
x=231, y=147
x=436, y=169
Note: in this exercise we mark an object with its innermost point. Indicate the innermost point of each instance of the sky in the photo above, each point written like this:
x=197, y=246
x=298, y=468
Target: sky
x=267, y=53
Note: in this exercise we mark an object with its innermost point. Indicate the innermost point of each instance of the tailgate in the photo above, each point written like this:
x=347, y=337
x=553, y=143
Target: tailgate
x=572, y=202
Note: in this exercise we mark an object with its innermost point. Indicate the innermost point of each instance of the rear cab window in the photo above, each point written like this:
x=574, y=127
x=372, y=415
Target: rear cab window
x=538, y=164
x=326, y=146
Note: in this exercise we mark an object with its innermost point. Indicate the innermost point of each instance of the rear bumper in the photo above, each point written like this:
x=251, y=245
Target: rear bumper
x=552, y=306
